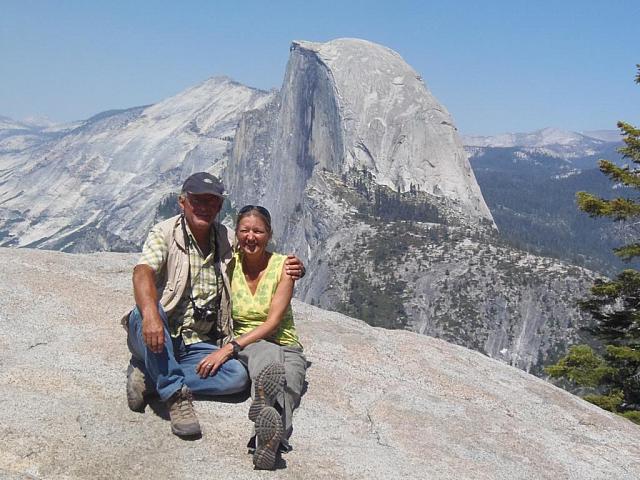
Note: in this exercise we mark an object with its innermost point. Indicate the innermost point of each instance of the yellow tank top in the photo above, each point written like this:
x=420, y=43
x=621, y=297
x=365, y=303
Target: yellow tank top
x=250, y=310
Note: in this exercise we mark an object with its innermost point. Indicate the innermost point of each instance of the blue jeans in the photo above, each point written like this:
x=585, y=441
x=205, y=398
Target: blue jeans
x=175, y=366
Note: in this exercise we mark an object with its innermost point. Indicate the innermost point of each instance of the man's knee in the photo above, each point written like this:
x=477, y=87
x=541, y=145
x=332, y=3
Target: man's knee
x=135, y=317
x=230, y=378
x=135, y=340
x=237, y=374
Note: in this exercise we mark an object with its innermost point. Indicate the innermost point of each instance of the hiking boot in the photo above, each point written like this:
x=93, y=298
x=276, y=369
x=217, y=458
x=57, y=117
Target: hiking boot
x=269, y=432
x=269, y=384
x=136, y=387
x=184, y=422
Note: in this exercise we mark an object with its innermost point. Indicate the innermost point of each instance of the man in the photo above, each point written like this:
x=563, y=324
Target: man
x=183, y=312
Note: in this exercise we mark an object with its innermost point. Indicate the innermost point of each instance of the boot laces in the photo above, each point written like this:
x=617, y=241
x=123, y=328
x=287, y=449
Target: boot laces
x=185, y=402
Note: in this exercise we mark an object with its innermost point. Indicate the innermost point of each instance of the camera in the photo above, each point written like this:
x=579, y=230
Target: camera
x=208, y=313
x=204, y=314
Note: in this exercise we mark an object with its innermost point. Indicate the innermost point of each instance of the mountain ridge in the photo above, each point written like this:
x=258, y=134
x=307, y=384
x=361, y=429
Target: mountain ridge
x=563, y=144
x=94, y=171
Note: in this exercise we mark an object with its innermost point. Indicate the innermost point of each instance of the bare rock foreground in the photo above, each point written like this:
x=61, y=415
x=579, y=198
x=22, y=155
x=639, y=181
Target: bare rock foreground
x=380, y=404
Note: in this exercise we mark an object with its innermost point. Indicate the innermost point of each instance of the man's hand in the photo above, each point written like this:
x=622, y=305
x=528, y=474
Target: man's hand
x=294, y=267
x=210, y=364
x=153, y=332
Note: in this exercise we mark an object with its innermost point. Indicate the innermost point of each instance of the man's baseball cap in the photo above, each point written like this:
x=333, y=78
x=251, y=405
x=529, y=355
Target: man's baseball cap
x=203, y=182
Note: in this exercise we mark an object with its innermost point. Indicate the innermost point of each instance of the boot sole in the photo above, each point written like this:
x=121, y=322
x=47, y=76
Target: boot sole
x=189, y=432
x=269, y=384
x=269, y=432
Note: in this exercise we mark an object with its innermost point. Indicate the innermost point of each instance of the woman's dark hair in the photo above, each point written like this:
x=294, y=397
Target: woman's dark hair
x=257, y=210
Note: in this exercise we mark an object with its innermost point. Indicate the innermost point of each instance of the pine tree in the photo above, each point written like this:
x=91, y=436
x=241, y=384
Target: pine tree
x=614, y=373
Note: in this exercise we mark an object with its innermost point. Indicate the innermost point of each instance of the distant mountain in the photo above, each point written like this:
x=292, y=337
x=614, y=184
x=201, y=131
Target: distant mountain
x=552, y=142
x=355, y=110
x=16, y=137
x=546, y=137
x=7, y=123
x=530, y=180
x=101, y=183
x=32, y=124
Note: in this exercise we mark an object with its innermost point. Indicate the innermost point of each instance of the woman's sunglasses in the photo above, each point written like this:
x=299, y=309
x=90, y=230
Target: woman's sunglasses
x=263, y=211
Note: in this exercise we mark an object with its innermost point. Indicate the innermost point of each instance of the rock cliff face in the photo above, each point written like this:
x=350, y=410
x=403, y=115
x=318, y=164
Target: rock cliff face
x=380, y=404
x=98, y=184
x=351, y=107
x=368, y=181
x=387, y=122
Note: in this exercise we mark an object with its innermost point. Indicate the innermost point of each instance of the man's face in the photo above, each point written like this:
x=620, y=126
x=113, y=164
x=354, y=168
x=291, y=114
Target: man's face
x=200, y=210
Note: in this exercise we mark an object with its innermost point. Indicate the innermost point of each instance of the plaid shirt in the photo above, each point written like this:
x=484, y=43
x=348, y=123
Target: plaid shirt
x=203, y=285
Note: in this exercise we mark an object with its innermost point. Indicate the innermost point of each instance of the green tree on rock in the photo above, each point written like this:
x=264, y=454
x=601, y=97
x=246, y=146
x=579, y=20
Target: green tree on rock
x=614, y=373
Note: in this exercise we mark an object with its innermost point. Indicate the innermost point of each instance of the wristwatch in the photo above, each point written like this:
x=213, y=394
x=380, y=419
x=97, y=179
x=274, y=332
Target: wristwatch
x=236, y=348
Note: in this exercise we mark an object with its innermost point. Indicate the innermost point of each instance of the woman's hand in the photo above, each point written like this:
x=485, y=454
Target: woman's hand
x=210, y=364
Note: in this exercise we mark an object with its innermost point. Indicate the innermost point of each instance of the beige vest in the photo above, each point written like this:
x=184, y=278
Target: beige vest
x=172, y=280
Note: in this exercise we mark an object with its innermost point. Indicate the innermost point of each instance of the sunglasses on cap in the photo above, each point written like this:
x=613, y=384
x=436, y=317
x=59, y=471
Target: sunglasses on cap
x=261, y=210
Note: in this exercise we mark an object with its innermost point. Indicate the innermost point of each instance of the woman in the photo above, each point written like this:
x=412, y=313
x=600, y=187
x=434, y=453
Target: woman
x=265, y=337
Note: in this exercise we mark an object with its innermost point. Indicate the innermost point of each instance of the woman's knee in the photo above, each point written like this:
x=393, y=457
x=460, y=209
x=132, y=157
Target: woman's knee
x=260, y=354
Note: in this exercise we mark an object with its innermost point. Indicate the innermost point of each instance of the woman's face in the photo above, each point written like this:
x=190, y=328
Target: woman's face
x=253, y=235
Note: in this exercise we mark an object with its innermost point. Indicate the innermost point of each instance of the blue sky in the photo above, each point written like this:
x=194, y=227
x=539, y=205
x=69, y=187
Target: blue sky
x=498, y=66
